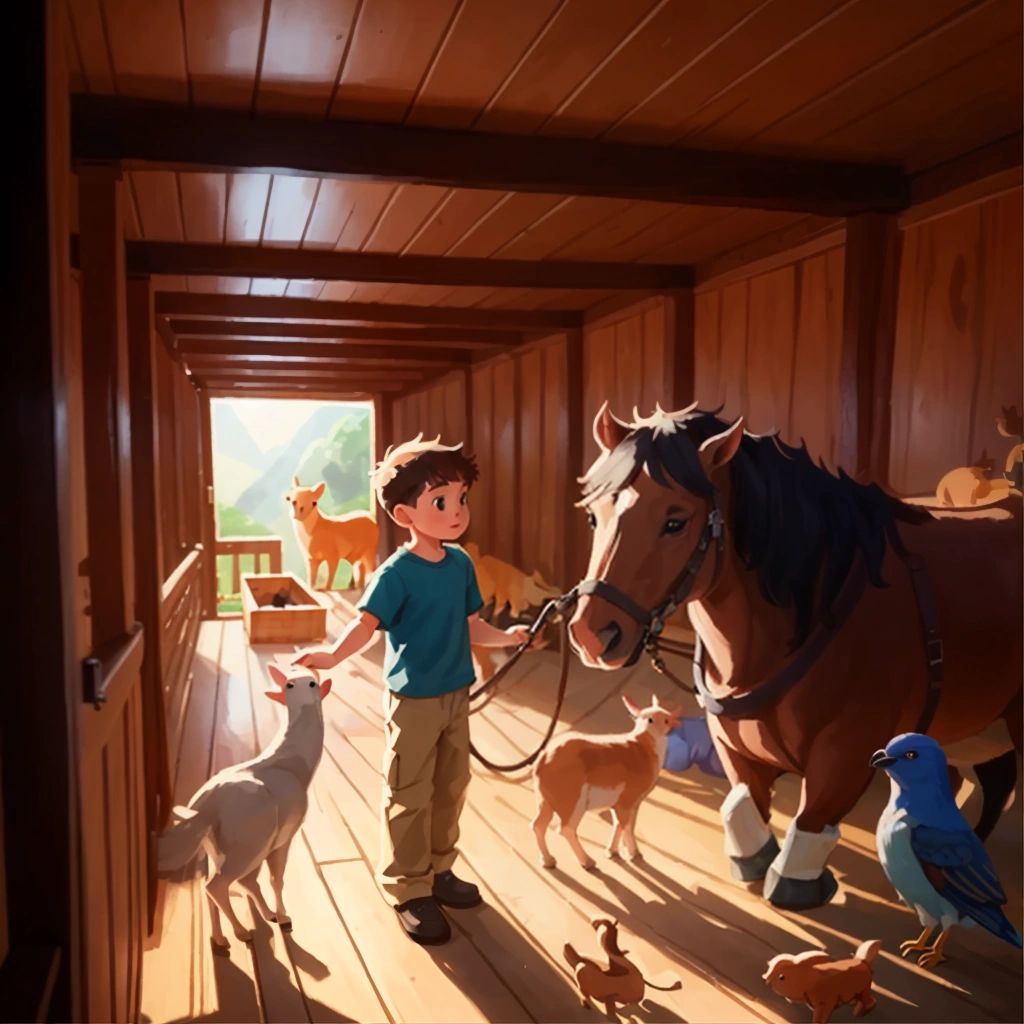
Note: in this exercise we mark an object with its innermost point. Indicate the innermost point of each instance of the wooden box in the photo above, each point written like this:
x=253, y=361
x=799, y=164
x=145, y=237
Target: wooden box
x=302, y=619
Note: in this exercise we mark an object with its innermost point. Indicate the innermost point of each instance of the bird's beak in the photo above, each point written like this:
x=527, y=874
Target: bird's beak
x=880, y=759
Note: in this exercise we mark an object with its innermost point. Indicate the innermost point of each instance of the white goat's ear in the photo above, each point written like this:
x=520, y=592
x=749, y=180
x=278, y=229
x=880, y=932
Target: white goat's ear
x=295, y=482
x=631, y=706
x=608, y=431
x=318, y=490
x=277, y=695
x=277, y=674
x=655, y=703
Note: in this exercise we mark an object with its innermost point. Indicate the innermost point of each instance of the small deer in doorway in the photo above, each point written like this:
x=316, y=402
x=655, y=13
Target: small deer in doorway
x=249, y=813
x=352, y=537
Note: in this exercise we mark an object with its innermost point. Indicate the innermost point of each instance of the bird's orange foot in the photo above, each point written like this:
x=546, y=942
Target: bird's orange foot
x=932, y=958
x=913, y=946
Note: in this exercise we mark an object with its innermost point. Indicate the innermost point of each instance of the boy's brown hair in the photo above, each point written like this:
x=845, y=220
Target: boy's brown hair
x=407, y=470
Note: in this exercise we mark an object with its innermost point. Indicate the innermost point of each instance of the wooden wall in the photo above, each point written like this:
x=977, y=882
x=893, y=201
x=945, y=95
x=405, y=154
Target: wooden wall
x=768, y=348
x=958, y=341
x=624, y=360
x=518, y=430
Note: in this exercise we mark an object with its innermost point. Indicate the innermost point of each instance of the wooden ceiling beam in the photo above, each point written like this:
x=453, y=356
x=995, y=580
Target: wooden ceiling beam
x=451, y=337
x=367, y=368
x=205, y=365
x=192, y=258
x=228, y=389
x=408, y=355
x=142, y=134
x=361, y=383
x=272, y=307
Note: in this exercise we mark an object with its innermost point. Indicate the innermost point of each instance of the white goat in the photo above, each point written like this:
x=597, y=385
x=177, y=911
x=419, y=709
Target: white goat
x=249, y=813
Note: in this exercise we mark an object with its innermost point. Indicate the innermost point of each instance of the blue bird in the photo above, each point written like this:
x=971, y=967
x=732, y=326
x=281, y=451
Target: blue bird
x=930, y=854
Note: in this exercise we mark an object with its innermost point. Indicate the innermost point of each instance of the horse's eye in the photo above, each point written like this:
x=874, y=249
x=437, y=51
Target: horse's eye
x=291, y=686
x=911, y=755
x=592, y=520
x=674, y=526
x=782, y=977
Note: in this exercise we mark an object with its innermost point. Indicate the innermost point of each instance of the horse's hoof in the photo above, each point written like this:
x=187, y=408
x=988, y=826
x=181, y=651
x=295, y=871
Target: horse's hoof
x=244, y=935
x=800, y=893
x=589, y=864
x=755, y=867
x=612, y=854
x=635, y=855
x=220, y=947
x=285, y=923
x=548, y=862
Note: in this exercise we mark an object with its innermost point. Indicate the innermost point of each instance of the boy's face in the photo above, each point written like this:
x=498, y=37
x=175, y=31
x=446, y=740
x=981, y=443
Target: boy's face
x=441, y=511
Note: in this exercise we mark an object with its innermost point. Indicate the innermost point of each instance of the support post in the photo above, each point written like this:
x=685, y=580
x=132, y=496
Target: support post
x=574, y=552
x=208, y=518
x=105, y=383
x=680, y=365
x=383, y=431
x=148, y=564
x=870, y=287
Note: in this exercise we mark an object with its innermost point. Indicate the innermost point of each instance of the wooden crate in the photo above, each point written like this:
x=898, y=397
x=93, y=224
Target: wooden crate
x=296, y=623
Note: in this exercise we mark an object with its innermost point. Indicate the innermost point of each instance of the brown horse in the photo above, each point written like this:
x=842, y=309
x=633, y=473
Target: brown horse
x=799, y=585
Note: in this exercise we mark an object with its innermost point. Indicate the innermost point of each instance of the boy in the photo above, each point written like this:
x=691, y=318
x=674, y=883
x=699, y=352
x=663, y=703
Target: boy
x=425, y=596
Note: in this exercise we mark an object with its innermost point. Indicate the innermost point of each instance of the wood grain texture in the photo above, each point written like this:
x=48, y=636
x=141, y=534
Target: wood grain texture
x=958, y=341
x=767, y=348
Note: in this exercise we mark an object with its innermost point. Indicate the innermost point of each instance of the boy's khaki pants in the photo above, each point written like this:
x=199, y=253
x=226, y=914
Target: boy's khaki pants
x=426, y=773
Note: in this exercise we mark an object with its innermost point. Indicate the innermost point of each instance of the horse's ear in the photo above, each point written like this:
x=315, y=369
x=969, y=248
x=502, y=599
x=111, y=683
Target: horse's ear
x=608, y=431
x=318, y=490
x=717, y=451
x=631, y=706
x=295, y=481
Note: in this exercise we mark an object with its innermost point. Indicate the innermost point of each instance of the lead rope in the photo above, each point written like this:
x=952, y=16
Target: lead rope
x=559, y=606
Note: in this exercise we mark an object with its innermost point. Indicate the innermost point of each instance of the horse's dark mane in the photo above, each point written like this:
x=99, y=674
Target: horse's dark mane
x=794, y=523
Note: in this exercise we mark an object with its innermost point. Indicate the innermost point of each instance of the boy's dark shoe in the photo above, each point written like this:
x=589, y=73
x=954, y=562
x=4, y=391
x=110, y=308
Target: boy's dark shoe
x=424, y=921
x=454, y=892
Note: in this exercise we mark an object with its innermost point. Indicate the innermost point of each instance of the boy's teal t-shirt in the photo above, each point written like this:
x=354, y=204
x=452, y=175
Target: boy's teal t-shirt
x=423, y=606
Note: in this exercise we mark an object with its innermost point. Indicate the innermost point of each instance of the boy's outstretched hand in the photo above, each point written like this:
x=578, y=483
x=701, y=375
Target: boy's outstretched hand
x=316, y=659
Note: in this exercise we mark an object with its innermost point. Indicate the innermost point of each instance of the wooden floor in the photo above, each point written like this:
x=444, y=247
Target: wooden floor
x=682, y=916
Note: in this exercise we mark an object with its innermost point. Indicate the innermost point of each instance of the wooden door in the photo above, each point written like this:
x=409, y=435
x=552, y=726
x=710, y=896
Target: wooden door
x=111, y=773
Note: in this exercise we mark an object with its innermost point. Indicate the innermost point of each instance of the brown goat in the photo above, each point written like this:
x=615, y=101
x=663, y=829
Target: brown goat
x=578, y=773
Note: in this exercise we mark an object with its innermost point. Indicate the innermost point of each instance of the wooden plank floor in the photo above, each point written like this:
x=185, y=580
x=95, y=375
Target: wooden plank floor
x=682, y=916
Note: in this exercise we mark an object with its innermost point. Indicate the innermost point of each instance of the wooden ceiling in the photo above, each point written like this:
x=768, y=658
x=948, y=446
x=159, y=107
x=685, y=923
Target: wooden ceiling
x=901, y=86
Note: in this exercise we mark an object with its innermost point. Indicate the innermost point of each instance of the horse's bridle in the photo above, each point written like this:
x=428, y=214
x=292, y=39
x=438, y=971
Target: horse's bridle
x=653, y=620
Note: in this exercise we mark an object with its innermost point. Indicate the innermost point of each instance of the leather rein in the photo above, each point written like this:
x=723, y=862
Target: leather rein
x=742, y=705
x=775, y=687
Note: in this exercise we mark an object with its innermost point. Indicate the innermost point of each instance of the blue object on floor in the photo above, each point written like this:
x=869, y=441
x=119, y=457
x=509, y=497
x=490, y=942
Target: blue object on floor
x=690, y=744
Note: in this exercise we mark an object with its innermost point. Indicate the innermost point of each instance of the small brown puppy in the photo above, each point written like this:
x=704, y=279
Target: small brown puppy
x=618, y=984
x=824, y=984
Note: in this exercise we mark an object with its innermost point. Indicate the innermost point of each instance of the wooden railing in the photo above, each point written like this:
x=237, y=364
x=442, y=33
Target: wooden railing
x=258, y=547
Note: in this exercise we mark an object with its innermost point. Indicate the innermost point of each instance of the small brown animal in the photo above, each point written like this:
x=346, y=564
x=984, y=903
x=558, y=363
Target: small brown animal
x=824, y=984
x=578, y=773
x=330, y=539
x=618, y=984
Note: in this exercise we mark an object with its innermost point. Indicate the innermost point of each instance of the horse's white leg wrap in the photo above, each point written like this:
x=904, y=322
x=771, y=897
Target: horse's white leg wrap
x=804, y=854
x=745, y=830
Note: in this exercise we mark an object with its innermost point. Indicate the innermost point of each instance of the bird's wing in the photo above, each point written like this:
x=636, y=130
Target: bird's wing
x=958, y=866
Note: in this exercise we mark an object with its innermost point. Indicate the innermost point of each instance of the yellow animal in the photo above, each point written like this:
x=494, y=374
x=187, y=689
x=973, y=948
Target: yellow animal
x=972, y=485
x=506, y=585
x=352, y=537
